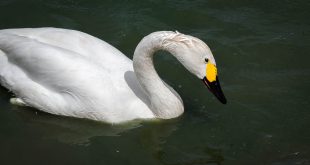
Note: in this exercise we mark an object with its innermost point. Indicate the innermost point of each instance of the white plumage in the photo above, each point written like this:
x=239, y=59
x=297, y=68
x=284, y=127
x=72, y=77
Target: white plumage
x=70, y=73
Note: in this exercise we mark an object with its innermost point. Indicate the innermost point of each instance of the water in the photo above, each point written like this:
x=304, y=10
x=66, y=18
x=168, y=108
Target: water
x=262, y=50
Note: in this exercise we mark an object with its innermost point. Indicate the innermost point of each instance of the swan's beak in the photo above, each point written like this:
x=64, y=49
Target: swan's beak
x=215, y=88
x=213, y=84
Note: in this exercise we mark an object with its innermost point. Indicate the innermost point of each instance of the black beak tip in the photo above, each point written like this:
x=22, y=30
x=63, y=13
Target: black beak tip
x=223, y=100
x=215, y=88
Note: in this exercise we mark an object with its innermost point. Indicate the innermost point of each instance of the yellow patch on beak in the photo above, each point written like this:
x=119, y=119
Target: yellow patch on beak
x=211, y=72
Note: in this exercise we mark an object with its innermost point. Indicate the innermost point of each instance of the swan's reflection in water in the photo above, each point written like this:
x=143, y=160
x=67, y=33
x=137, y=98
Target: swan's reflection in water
x=81, y=131
x=136, y=141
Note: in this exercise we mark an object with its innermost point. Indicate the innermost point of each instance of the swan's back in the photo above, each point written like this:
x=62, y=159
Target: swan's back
x=81, y=43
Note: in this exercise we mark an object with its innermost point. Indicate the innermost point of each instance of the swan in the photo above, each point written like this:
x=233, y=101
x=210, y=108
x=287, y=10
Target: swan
x=70, y=73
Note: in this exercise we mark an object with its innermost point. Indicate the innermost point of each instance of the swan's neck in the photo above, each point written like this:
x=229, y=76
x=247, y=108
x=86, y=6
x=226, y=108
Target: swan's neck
x=165, y=102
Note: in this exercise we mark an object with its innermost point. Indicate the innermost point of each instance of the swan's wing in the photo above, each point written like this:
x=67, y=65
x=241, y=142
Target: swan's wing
x=83, y=44
x=42, y=74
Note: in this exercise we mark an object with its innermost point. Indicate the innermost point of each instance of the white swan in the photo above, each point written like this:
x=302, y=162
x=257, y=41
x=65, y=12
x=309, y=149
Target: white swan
x=70, y=73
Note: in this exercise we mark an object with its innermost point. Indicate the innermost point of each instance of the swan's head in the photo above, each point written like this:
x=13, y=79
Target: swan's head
x=197, y=57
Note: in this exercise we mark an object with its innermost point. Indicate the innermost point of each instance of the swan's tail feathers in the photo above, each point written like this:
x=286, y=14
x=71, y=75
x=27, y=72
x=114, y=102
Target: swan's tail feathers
x=3, y=66
x=3, y=58
x=17, y=101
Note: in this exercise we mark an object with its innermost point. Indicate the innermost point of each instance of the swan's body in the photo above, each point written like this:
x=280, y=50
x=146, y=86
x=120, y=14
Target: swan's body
x=70, y=73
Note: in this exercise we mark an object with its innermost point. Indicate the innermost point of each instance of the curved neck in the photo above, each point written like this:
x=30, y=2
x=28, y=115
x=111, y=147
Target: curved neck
x=165, y=102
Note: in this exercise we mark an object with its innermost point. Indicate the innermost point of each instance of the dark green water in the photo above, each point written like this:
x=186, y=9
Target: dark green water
x=262, y=50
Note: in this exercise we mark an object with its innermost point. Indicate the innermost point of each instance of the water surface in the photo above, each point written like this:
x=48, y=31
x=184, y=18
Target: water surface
x=262, y=51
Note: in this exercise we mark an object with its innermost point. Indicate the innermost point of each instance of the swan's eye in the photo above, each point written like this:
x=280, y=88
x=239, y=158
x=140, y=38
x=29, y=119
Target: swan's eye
x=206, y=60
